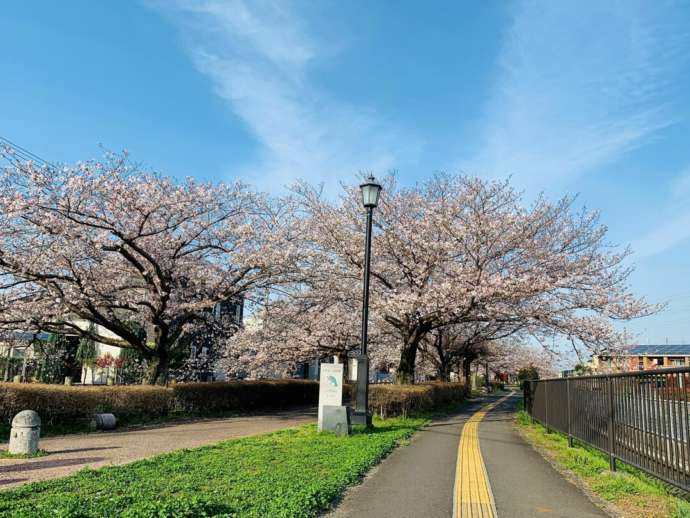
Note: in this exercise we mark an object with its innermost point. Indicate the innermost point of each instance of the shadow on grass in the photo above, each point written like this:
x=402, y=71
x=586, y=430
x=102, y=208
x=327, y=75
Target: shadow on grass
x=47, y=464
x=6, y=481
x=79, y=450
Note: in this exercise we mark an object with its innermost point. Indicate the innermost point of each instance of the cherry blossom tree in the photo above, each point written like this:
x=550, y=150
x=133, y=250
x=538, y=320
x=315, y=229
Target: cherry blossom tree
x=462, y=251
x=511, y=356
x=457, y=346
x=108, y=251
x=301, y=327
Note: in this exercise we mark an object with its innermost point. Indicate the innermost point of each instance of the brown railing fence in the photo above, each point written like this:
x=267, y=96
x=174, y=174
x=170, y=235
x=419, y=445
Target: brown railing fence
x=641, y=418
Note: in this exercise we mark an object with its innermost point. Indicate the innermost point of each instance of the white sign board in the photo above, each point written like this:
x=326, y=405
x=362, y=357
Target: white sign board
x=330, y=387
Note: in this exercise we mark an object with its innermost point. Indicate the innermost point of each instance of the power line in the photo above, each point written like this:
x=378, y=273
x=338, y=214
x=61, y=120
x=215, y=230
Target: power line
x=25, y=154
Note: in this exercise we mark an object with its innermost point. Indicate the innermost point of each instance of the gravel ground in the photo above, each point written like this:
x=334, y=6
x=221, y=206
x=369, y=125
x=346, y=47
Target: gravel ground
x=70, y=453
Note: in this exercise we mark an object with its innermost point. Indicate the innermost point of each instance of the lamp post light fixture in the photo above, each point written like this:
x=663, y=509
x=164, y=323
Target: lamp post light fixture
x=370, y=199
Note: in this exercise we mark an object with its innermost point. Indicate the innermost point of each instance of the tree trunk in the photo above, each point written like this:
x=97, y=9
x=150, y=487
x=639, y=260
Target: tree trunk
x=157, y=369
x=443, y=371
x=467, y=371
x=444, y=366
x=7, y=364
x=26, y=353
x=408, y=358
x=405, y=373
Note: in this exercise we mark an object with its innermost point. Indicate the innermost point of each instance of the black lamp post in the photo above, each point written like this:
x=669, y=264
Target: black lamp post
x=370, y=199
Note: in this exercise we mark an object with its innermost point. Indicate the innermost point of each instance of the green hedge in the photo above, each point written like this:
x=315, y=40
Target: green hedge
x=403, y=400
x=65, y=405
x=243, y=396
x=60, y=404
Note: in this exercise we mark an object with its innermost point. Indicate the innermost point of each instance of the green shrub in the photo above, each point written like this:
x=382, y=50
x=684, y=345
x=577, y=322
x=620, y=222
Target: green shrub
x=243, y=396
x=403, y=400
x=60, y=404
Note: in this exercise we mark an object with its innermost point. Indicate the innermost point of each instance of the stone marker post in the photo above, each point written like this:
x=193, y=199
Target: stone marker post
x=330, y=387
x=26, y=430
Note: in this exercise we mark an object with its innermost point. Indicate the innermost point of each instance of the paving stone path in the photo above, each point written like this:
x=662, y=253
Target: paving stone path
x=70, y=453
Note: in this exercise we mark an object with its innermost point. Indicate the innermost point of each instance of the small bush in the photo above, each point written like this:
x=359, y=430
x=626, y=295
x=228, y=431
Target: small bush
x=403, y=400
x=498, y=385
x=243, y=396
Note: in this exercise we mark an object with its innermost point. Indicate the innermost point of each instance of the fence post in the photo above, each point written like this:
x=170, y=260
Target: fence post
x=532, y=391
x=546, y=406
x=567, y=396
x=612, y=453
x=525, y=389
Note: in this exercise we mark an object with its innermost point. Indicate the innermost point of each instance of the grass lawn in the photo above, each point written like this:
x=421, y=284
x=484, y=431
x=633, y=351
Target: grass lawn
x=633, y=492
x=296, y=472
x=4, y=454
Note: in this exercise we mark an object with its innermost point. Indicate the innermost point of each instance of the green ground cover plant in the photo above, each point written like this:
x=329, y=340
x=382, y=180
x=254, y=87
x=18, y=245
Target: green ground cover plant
x=4, y=454
x=291, y=473
x=628, y=488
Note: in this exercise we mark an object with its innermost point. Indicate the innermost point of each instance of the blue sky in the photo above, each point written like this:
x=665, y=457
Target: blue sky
x=588, y=97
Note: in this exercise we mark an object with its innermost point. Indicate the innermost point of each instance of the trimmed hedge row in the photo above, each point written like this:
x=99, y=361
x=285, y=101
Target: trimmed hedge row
x=243, y=396
x=60, y=404
x=403, y=400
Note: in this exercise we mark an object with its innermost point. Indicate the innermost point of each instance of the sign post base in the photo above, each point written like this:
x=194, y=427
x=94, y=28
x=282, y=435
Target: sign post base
x=363, y=418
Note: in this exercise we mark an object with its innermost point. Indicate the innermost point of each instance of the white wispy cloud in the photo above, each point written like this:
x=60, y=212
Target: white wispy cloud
x=680, y=186
x=580, y=84
x=673, y=226
x=258, y=55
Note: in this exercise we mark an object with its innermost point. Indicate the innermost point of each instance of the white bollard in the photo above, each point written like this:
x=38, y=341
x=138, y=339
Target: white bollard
x=26, y=430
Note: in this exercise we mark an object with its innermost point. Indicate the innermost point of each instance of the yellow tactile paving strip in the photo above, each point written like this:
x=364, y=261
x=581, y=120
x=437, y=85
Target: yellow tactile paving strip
x=472, y=496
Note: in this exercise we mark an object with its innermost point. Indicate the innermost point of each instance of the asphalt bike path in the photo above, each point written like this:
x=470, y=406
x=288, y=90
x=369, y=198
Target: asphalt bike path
x=471, y=465
x=416, y=480
x=524, y=485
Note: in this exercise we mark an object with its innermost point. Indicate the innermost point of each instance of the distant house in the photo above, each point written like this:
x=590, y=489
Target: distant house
x=644, y=357
x=16, y=348
x=229, y=312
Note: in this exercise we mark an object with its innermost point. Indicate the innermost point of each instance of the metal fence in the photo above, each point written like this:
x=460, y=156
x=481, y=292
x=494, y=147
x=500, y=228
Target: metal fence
x=641, y=418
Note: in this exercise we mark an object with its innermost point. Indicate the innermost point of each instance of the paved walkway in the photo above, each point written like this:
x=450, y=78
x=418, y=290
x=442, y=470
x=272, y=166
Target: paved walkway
x=473, y=465
x=70, y=453
x=414, y=481
x=523, y=483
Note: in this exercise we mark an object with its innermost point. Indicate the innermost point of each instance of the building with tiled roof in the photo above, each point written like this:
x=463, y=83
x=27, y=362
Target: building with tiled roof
x=644, y=357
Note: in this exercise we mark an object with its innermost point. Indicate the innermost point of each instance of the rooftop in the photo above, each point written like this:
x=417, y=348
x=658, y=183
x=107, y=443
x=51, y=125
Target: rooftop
x=661, y=350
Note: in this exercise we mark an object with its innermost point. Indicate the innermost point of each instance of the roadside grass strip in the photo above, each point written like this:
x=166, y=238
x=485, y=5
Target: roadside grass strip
x=472, y=497
x=291, y=473
x=630, y=490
